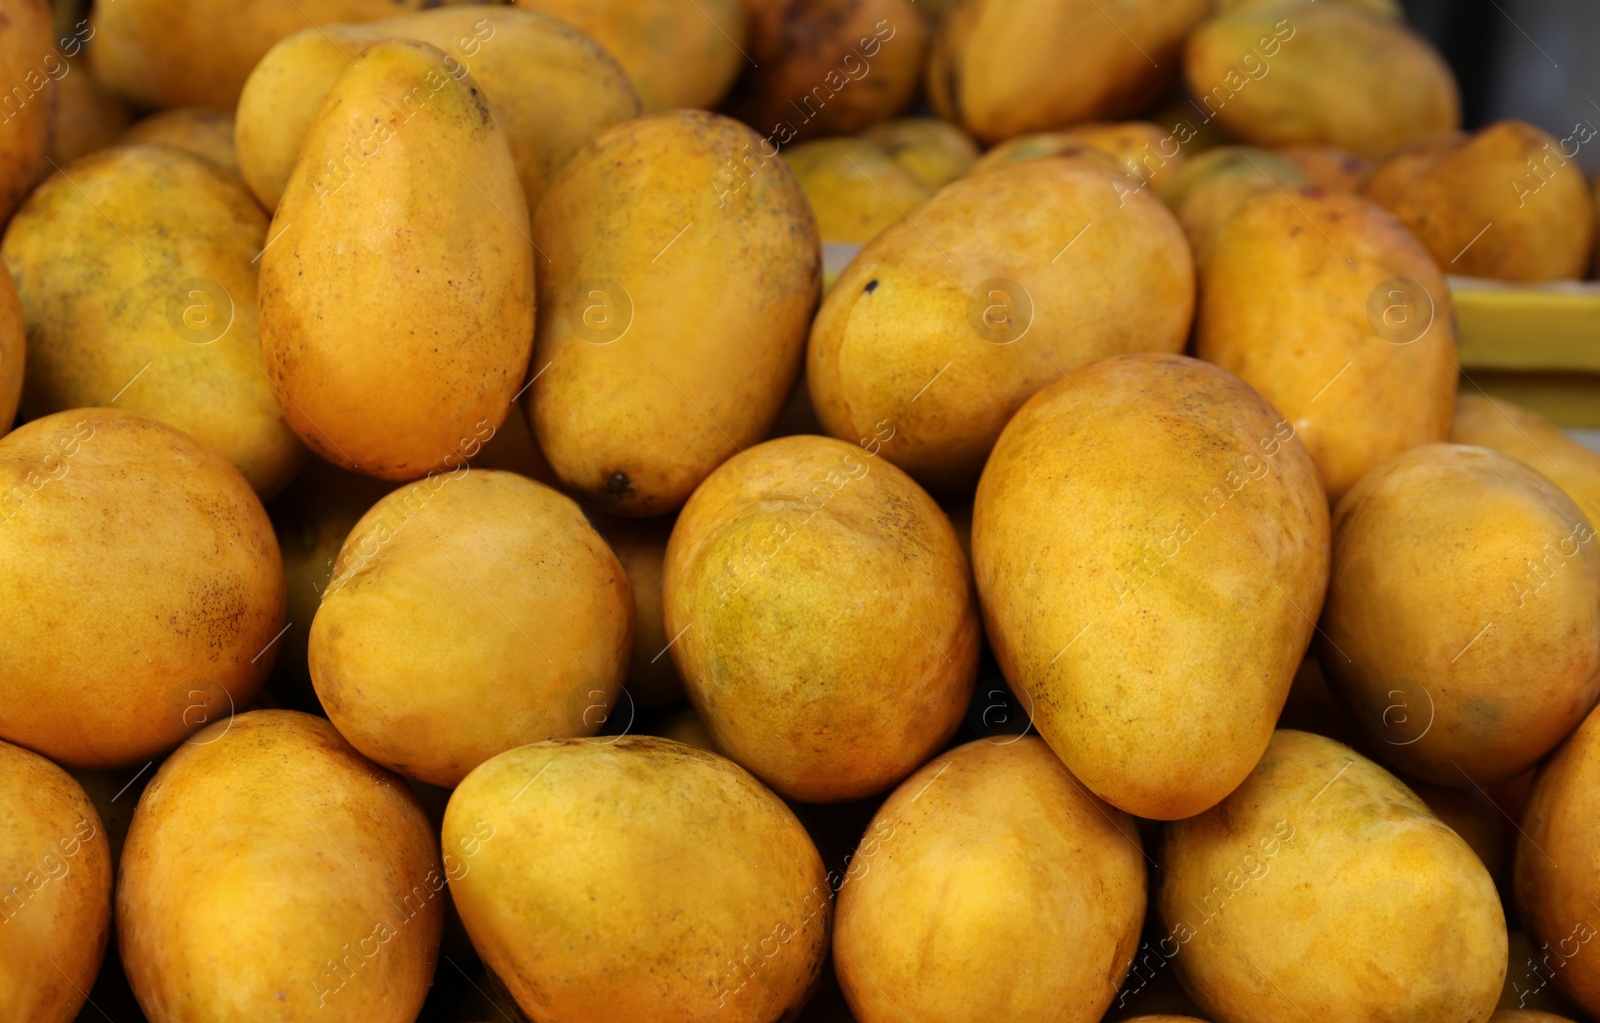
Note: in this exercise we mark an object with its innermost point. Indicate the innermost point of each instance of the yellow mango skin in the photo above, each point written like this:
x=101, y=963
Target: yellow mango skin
x=1136, y=144
x=1215, y=185
x=1555, y=889
x=197, y=53
x=430, y=658
x=1325, y=73
x=588, y=916
x=1506, y=202
x=1345, y=899
x=1431, y=549
x=197, y=130
x=396, y=299
x=13, y=349
x=1387, y=8
x=550, y=87
x=704, y=281
x=641, y=546
x=153, y=233
x=902, y=313
x=30, y=65
x=1532, y=440
x=55, y=908
x=87, y=117
x=677, y=55
x=265, y=852
x=855, y=188
x=166, y=587
x=936, y=152
x=1310, y=347
x=1001, y=68
x=1329, y=167
x=1042, y=887
x=828, y=67
x=834, y=641
x=1156, y=676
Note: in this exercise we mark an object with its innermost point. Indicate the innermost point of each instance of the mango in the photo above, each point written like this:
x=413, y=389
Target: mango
x=1532, y=440
x=1045, y=886
x=273, y=873
x=1463, y=617
x=1354, y=343
x=1154, y=627
x=32, y=68
x=1320, y=74
x=55, y=908
x=13, y=349
x=588, y=916
x=141, y=587
x=677, y=55
x=1325, y=887
x=1329, y=167
x=827, y=67
x=1148, y=155
x=1215, y=185
x=1507, y=202
x=393, y=362
x=514, y=657
x=855, y=188
x=827, y=633
x=1001, y=68
x=87, y=118
x=156, y=307
x=947, y=322
x=935, y=152
x=549, y=86
x=197, y=130
x=675, y=297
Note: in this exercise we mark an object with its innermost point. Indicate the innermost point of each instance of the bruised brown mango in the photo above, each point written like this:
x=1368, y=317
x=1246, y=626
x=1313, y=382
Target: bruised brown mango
x=824, y=617
x=55, y=911
x=1506, y=202
x=551, y=88
x=156, y=309
x=678, y=55
x=828, y=67
x=197, y=53
x=1323, y=73
x=392, y=361
x=947, y=322
x=1005, y=67
x=673, y=307
x=1355, y=344
x=1150, y=544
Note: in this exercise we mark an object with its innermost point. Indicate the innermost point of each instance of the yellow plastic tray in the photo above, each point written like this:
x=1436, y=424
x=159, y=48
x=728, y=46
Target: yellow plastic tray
x=1536, y=345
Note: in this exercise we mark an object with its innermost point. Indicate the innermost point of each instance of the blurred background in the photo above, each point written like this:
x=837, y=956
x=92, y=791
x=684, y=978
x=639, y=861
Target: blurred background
x=1535, y=60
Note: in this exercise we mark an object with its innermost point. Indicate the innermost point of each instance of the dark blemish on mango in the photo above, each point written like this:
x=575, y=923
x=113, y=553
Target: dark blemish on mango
x=872, y=286
x=617, y=486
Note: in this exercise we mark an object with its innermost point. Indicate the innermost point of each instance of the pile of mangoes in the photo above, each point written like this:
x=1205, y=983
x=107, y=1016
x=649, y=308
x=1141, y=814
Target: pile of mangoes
x=589, y=511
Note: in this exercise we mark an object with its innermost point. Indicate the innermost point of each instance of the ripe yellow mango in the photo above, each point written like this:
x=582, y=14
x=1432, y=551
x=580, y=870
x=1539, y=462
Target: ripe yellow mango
x=936, y=152
x=674, y=296
x=1532, y=440
x=1150, y=543
x=392, y=353
x=31, y=67
x=198, y=130
x=855, y=188
x=1213, y=186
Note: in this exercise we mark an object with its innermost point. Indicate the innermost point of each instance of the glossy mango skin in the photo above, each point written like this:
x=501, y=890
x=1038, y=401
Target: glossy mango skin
x=128, y=515
x=176, y=53
x=677, y=55
x=30, y=64
x=390, y=357
x=468, y=614
x=1555, y=888
x=1533, y=440
x=55, y=908
x=674, y=296
x=1072, y=258
x=580, y=897
x=160, y=291
x=828, y=633
x=1324, y=73
x=828, y=67
x=1356, y=347
x=1150, y=544
x=1323, y=883
x=1508, y=202
x=1044, y=886
x=550, y=87
x=1462, y=625
x=1006, y=67
x=271, y=872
